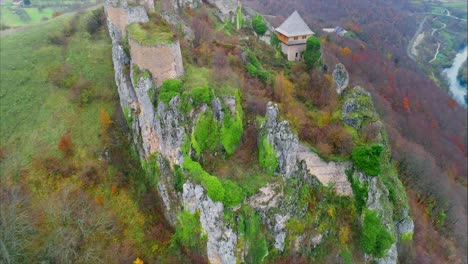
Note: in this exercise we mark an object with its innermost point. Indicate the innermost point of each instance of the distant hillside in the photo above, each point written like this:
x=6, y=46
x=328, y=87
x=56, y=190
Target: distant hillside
x=426, y=127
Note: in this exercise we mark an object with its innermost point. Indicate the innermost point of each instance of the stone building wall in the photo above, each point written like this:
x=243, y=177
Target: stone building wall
x=291, y=51
x=122, y=16
x=163, y=61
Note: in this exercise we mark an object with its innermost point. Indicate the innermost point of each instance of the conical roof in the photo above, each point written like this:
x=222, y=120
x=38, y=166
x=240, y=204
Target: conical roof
x=294, y=26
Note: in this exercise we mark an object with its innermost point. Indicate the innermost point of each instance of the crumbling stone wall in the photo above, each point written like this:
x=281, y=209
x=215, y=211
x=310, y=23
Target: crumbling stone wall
x=163, y=61
x=121, y=16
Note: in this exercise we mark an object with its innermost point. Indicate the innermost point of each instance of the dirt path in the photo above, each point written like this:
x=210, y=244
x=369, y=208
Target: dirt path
x=437, y=53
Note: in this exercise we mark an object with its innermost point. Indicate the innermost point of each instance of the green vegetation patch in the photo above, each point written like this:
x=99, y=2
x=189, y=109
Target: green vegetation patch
x=368, y=159
x=137, y=74
x=267, y=156
x=157, y=31
x=361, y=192
x=376, y=239
x=233, y=128
x=312, y=54
x=251, y=233
x=255, y=69
x=205, y=135
x=169, y=89
x=259, y=25
x=189, y=232
x=211, y=183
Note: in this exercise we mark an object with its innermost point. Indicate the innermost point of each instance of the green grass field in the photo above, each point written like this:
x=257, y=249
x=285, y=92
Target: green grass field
x=39, y=10
x=34, y=112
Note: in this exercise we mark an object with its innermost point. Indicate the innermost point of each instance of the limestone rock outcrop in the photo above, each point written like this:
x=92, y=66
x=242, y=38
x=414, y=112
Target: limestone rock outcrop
x=357, y=106
x=222, y=240
x=341, y=78
x=284, y=141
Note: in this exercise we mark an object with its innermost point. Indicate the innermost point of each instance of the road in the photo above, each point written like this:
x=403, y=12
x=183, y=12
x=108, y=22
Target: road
x=411, y=43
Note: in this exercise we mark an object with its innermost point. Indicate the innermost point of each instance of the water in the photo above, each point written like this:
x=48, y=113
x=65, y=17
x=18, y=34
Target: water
x=458, y=91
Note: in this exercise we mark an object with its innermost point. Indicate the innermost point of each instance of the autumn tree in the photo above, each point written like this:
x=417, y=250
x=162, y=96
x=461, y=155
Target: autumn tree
x=65, y=145
x=104, y=119
x=346, y=51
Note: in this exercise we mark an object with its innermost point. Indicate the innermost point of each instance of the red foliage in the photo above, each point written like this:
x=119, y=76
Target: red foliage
x=65, y=145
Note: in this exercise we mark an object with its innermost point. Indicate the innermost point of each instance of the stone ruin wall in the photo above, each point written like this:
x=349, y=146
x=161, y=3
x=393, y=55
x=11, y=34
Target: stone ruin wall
x=163, y=61
x=118, y=17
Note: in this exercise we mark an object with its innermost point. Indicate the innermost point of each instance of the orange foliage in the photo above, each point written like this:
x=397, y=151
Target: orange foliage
x=346, y=51
x=99, y=200
x=138, y=261
x=406, y=104
x=105, y=119
x=114, y=190
x=65, y=145
x=452, y=103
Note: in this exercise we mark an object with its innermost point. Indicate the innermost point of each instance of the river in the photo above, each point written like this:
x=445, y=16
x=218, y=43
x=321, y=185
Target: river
x=458, y=91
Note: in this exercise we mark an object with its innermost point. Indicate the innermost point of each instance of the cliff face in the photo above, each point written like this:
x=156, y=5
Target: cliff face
x=161, y=132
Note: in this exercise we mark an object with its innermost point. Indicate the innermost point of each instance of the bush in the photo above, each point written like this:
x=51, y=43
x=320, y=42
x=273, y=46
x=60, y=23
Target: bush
x=249, y=226
x=205, y=135
x=234, y=194
x=212, y=184
x=361, y=192
x=312, y=54
x=169, y=89
x=368, y=159
x=259, y=25
x=231, y=132
x=63, y=76
x=267, y=156
x=65, y=145
x=95, y=21
x=179, y=179
x=255, y=69
x=376, y=239
x=200, y=95
x=188, y=231
x=274, y=41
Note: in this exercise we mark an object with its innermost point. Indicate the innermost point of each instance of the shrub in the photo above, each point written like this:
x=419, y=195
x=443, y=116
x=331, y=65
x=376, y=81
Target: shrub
x=254, y=68
x=312, y=54
x=62, y=76
x=231, y=132
x=249, y=226
x=376, y=239
x=200, y=95
x=360, y=192
x=95, y=21
x=274, y=41
x=65, y=145
x=259, y=25
x=267, y=156
x=169, y=89
x=205, y=135
x=188, y=230
x=368, y=158
x=104, y=119
x=233, y=195
x=212, y=184
x=179, y=179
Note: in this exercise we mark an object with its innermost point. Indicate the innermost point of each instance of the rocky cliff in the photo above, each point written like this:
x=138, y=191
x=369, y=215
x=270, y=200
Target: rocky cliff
x=164, y=135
